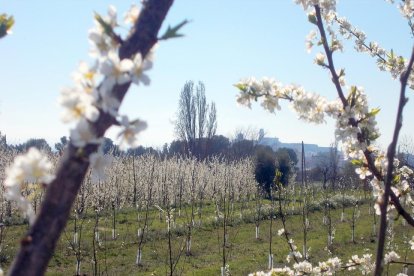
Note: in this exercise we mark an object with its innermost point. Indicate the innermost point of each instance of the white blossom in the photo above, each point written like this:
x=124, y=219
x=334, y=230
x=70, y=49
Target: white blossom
x=363, y=172
x=303, y=268
x=116, y=71
x=101, y=41
x=132, y=14
x=85, y=73
x=411, y=242
x=138, y=70
x=310, y=40
x=390, y=257
x=407, y=8
x=30, y=168
x=77, y=104
x=82, y=135
x=130, y=131
x=320, y=59
x=108, y=102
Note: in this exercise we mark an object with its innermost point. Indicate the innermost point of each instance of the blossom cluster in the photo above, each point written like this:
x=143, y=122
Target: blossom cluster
x=354, y=121
x=26, y=174
x=327, y=6
x=391, y=257
x=329, y=267
x=406, y=8
x=93, y=91
x=84, y=102
x=365, y=263
x=309, y=107
x=294, y=253
x=387, y=61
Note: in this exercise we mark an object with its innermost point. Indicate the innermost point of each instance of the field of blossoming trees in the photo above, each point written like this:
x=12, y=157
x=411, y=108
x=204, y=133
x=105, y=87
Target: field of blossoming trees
x=154, y=216
x=205, y=214
x=89, y=213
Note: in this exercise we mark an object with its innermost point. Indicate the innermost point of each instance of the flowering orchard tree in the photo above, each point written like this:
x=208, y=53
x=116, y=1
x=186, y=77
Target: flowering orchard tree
x=93, y=103
x=356, y=123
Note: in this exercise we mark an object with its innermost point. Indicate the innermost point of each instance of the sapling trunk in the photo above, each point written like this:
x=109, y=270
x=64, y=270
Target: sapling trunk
x=305, y=230
x=138, y=260
x=188, y=246
x=374, y=225
x=75, y=245
x=329, y=225
x=258, y=213
x=134, y=199
x=270, y=266
x=343, y=205
x=113, y=221
x=355, y=216
x=188, y=241
x=75, y=230
x=78, y=267
x=305, y=206
x=94, y=241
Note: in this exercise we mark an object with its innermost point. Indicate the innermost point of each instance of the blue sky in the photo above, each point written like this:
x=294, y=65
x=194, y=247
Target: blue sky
x=226, y=41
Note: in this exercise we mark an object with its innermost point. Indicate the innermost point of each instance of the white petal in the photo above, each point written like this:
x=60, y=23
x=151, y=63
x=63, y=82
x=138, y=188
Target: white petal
x=126, y=65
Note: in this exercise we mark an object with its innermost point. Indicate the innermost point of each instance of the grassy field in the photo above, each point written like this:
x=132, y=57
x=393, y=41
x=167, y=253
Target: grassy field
x=245, y=253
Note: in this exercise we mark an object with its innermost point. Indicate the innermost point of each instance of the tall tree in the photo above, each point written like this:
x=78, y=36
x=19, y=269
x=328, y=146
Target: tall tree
x=286, y=160
x=39, y=143
x=196, y=120
x=265, y=167
x=60, y=146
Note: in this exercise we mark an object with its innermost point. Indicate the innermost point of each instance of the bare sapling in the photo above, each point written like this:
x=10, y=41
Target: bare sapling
x=356, y=213
x=258, y=211
x=148, y=201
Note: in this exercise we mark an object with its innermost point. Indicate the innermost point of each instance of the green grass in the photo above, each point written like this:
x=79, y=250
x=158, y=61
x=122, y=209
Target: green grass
x=245, y=253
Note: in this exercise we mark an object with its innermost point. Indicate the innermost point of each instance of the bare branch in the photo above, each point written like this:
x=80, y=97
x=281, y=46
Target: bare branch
x=331, y=66
x=390, y=156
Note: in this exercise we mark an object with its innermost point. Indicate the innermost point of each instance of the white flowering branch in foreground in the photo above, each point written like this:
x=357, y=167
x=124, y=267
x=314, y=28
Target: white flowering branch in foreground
x=355, y=122
x=94, y=108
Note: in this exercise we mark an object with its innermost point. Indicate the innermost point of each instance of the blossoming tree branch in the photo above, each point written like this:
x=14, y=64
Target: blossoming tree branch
x=92, y=103
x=355, y=122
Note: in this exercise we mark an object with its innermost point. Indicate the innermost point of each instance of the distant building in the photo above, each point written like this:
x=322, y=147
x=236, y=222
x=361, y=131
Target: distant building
x=311, y=150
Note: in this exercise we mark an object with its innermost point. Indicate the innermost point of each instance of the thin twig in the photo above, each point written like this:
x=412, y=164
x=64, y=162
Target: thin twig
x=331, y=66
x=390, y=156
